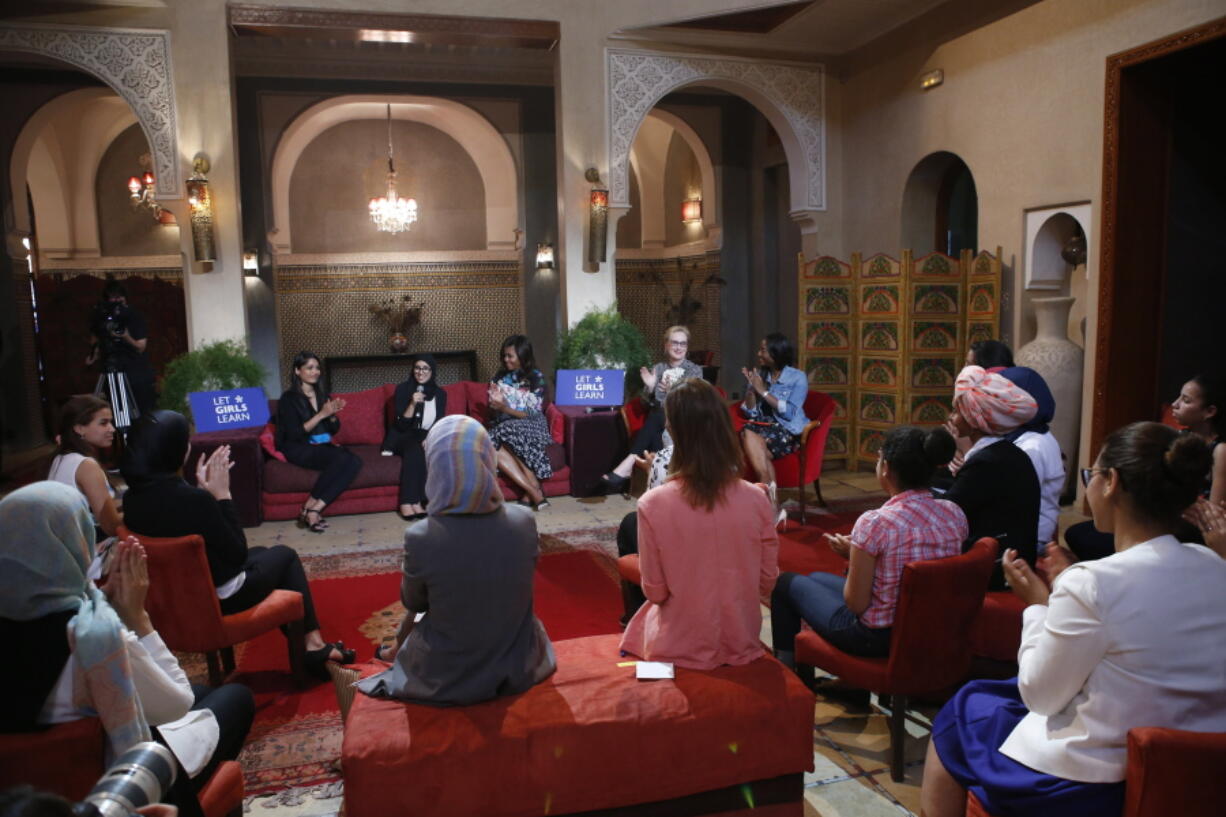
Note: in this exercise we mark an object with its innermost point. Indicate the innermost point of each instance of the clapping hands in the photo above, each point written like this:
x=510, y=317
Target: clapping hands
x=333, y=406
x=498, y=402
x=126, y=585
x=1210, y=518
x=840, y=543
x=213, y=472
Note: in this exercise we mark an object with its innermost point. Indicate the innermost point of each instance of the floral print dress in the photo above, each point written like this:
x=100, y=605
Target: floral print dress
x=528, y=436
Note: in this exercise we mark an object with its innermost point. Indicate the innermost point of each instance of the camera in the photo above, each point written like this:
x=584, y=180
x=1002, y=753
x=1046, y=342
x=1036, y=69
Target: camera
x=139, y=777
x=110, y=319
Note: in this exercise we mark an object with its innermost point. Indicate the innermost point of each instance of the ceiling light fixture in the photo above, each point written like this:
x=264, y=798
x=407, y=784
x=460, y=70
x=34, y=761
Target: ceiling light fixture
x=390, y=213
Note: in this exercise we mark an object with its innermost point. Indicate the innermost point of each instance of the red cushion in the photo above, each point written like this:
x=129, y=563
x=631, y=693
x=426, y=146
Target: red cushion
x=285, y=477
x=477, y=399
x=589, y=737
x=223, y=793
x=279, y=607
x=1174, y=772
x=457, y=398
x=557, y=424
x=362, y=417
x=268, y=441
x=65, y=759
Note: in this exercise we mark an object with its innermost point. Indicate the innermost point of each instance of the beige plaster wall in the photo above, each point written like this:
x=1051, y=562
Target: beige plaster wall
x=346, y=165
x=122, y=229
x=1022, y=105
x=682, y=181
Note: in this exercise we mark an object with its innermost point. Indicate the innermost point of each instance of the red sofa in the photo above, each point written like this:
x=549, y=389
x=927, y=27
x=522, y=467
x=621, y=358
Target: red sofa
x=588, y=739
x=283, y=487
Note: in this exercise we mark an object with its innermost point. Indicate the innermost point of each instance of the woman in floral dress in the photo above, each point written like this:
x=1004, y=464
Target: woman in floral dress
x=518, y=427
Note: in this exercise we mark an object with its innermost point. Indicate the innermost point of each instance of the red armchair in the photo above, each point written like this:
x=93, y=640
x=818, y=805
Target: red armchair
x=183, y=606
x=1170, y=771
x=67, y=759
x=804, y=465
x=930, y=643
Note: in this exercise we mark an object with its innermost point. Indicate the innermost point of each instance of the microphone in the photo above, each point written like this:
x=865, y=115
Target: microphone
x=420, y=408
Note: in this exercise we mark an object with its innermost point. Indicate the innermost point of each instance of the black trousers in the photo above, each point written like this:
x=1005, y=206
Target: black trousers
x=627, y=543
x=234, y=707
x=338, y=467
x=651, y=436
x=269, y=569
x=412, y=466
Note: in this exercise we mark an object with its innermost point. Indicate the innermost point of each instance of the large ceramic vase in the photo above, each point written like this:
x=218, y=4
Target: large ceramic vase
x=1061, y=362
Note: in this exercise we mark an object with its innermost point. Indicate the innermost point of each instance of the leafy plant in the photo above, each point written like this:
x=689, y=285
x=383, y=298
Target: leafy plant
x=398, y=314
x=603, y=339
x=223, y=364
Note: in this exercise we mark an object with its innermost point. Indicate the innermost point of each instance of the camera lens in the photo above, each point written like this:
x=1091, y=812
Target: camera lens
x=139, y=777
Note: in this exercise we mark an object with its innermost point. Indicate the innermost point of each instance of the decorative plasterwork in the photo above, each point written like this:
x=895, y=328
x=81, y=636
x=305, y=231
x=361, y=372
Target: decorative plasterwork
x=135, y=62
x=790, y=96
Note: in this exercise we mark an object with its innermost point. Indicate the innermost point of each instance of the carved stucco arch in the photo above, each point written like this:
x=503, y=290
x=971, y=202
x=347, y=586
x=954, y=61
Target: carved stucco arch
x=66, y=210
x=479, y=139
x=135, y=63
x=790, y=96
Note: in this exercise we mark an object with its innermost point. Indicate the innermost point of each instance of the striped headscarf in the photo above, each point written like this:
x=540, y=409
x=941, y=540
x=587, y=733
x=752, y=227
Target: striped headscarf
x=47, y=546
x=461, y=474
x=991, y=403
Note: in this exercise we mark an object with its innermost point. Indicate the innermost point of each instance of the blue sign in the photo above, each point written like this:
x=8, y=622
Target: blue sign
x=590, y=387
x=229, y=408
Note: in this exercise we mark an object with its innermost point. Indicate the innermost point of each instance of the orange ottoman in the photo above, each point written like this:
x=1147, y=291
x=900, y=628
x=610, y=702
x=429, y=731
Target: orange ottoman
x=590, y=737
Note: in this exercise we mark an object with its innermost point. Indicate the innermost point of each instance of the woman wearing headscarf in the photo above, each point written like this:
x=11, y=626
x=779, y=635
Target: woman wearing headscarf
x=996, y=487
x=469, y=568
x=160, y=503
x=83, y=651
x=419, y=403
x=1035, y=438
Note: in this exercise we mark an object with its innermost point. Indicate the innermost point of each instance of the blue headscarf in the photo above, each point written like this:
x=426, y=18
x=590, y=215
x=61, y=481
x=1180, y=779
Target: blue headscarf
x=461, y=472
x=47, y=547
x=1033, y=383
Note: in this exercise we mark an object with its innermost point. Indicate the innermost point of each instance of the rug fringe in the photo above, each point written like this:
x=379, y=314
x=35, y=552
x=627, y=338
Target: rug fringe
x=296, y=796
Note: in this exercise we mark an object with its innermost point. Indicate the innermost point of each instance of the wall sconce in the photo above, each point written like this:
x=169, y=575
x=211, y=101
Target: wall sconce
x=691, y=211
x=251, y=263
x=598, y=219
x=932, y=79
x=200, y=202
x=143, y=194
x=544, y=256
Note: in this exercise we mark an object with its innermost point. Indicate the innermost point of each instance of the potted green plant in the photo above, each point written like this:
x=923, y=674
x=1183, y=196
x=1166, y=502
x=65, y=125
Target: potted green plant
x=223, y=364
x=603, y=339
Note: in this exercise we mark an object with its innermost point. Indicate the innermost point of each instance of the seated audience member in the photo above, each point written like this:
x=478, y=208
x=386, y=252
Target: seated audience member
x=996, y=487
x=628, y=531
x=774, y=402
x=990, y=354
x=419, y=403
x=469, y=568
x=856, y=613
x=675, y=368
x=707, y=544
x=78, y=651
x=1035, y=438
x=160, y=503
x=1134, y=639
x=87, y=428
x=306, y=423
x=517, y=427
x=1201, y=409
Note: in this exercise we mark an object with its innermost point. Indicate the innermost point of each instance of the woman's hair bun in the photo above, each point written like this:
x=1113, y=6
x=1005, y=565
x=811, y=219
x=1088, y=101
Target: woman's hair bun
x=939, y=446
x=1161, y=469
x=1187, y=460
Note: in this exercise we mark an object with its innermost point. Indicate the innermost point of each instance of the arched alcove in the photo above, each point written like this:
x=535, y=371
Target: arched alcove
x=940, y=206
x=479, y=139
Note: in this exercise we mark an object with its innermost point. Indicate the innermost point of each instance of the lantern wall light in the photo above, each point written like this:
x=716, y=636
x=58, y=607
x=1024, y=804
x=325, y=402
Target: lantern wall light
x=691, y=211
x=544, y=256
x=200, y=205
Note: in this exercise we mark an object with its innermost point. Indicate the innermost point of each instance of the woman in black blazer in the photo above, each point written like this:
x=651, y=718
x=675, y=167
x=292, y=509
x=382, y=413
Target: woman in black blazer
x=306, y=423
x=419, y=402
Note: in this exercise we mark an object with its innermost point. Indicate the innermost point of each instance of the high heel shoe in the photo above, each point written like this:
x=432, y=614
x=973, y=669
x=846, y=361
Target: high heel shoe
x=304, y=521
x=317, y=660
x=614, y=483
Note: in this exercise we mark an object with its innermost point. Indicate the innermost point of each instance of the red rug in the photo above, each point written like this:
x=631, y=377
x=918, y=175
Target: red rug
x=295, y=741
x=803, y=548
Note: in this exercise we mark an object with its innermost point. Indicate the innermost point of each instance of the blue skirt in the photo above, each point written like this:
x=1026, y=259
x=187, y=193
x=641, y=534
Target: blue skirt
x=968, y=733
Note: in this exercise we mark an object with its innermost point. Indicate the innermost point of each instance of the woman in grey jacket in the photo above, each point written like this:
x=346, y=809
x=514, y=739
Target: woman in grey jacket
x=468, y=567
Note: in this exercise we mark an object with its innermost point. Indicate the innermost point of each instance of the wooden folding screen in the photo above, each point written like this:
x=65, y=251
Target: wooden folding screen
x=886, y=338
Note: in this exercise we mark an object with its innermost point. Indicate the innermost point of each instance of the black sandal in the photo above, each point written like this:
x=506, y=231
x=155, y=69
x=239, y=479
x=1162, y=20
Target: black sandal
x=318, y=526
x=614, y=483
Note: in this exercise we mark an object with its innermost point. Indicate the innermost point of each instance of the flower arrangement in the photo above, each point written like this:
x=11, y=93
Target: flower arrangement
x=399, y=314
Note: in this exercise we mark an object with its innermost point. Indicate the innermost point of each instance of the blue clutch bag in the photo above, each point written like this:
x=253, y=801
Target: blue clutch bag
x=321, y=438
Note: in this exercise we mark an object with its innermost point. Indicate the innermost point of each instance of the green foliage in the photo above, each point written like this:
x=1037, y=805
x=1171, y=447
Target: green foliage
x=223, y=364
x=603, y=339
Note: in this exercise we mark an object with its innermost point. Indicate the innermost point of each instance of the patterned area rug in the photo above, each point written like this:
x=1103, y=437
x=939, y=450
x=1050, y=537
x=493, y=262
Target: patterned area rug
x=294, y=747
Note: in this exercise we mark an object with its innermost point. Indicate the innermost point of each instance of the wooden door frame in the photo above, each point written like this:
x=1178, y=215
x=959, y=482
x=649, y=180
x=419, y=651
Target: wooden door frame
x=1114, y=328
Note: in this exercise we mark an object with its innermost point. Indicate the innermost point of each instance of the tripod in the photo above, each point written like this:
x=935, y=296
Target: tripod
x=113, y=386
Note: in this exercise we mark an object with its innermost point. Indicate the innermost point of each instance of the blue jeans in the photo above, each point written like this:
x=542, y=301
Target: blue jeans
x=818, y=600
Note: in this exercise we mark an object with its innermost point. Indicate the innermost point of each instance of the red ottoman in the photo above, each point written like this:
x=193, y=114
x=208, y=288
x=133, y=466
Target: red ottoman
x=590, y=737
x=997, y=631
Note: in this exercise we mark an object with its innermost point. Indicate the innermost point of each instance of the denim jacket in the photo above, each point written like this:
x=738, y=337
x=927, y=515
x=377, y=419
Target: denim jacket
x=790, y=390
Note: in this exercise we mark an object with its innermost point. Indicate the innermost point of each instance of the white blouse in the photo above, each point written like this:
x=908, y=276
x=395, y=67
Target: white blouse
x=165, y=697
x=1135, y=639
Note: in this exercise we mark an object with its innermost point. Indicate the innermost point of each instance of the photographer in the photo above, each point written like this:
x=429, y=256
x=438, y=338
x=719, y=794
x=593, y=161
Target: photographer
x=118, y=336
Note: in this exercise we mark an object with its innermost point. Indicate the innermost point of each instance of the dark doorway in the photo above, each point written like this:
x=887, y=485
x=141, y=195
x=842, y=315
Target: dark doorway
x=1163, y=269
x=940, y=206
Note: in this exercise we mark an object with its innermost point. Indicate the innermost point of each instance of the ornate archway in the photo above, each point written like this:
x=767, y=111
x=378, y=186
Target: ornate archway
x=790, y=96
x=135, y=63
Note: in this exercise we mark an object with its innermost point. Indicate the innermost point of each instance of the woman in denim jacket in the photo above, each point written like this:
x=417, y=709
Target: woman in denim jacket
x=774, y=404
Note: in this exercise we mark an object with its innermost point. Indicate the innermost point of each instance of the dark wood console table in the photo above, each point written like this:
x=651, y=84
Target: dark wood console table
x=338, y=364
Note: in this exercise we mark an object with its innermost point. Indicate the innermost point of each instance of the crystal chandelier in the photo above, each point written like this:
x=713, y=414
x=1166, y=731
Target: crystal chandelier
x=390, y=213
